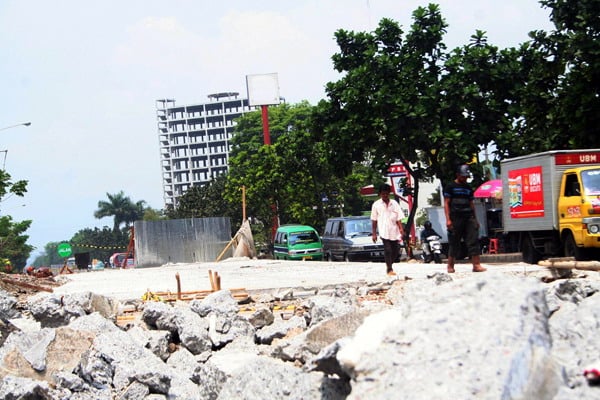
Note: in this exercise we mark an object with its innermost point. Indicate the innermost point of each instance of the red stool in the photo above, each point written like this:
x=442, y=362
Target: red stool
x=493, y=247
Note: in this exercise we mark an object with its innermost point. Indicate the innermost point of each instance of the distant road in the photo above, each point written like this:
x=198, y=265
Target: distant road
x=257, y=275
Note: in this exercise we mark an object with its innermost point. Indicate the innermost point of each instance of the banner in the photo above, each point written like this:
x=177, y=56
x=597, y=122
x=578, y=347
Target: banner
x=526, y=192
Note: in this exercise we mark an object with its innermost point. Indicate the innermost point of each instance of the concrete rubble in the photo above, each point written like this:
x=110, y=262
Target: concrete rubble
x=483, y=336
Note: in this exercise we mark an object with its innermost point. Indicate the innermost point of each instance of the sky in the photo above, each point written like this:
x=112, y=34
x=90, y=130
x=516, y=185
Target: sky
x=87, y=75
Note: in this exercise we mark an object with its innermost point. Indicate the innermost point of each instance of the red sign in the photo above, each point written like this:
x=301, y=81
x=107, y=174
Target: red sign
x=526, y=192
x=577, y=158
x=396, y=170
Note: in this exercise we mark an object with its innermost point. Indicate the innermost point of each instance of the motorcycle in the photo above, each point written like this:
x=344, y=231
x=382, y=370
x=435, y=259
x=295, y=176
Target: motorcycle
x=432, y=249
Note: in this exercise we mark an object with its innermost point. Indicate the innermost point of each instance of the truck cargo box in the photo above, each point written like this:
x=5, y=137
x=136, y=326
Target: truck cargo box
x=531, y=187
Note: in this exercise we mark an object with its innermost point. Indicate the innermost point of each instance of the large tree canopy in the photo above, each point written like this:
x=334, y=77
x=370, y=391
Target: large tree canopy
x=562, y=97
x=402, y=96
x=408, y=99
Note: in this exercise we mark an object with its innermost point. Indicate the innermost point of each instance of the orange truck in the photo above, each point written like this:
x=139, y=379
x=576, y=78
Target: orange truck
x=551, y=204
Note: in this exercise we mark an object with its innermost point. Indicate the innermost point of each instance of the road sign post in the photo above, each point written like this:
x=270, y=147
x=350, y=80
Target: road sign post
x=64, y=250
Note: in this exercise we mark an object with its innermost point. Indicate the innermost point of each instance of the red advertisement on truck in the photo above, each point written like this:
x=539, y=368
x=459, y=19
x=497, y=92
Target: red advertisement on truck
x=526, y=192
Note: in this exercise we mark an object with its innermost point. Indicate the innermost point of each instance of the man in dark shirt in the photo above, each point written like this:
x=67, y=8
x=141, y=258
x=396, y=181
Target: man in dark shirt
x=461, y=221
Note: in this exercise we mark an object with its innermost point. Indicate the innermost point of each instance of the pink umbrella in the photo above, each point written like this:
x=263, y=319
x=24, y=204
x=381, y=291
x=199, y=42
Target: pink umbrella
x=488, y=189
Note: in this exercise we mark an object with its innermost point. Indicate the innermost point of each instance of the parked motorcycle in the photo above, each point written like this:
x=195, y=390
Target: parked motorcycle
x=432, y=249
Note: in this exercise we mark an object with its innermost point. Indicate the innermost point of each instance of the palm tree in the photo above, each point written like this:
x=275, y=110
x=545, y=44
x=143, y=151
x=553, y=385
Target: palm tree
x=121, y=208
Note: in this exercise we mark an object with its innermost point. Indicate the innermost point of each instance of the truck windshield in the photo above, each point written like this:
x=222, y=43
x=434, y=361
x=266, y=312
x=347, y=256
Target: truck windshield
x=591, y=181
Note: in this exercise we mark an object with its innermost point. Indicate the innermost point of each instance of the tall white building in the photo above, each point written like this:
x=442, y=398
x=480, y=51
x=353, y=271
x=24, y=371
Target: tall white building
x=195, y=141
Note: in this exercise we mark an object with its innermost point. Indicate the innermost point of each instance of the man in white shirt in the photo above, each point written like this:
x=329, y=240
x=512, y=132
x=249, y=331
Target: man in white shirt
x=387, y=215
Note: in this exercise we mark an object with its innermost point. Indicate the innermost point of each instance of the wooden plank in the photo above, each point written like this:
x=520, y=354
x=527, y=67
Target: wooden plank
x=232, y=241
x=211, y=278
x=170, y=297
x=568, y=263
x=177, y=278
x=168, y=292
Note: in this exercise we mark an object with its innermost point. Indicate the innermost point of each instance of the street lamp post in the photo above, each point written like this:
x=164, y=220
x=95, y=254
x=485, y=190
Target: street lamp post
x=14, y=126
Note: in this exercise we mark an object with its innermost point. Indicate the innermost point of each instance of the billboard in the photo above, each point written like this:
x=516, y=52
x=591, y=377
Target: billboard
x=263, y=89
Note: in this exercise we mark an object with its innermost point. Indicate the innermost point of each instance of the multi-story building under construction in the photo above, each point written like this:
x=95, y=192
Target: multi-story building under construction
x=195, y=141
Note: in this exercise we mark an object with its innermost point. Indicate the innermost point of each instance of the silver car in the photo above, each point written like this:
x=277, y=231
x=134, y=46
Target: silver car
x=349, y=239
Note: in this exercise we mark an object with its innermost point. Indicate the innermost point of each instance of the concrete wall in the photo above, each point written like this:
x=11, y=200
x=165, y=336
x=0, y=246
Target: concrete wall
x=181, y=240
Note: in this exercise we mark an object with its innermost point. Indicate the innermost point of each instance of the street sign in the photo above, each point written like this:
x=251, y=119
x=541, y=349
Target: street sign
x=64, y=250
x=396, y=170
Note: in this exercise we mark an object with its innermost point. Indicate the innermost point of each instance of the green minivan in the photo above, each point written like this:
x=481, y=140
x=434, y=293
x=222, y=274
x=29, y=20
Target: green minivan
x=297, y=242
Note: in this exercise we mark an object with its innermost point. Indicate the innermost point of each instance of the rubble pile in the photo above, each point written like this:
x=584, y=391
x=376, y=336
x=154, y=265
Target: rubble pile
x=22, y=286
x=487, y=336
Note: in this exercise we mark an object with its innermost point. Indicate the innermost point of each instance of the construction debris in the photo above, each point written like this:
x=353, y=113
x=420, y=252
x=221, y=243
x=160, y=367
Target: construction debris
x=348, y=341
x=240, y=294
x=22, y=286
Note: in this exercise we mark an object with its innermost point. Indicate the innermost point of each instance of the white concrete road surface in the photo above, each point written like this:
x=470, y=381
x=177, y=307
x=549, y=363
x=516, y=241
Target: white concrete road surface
x=256, y=275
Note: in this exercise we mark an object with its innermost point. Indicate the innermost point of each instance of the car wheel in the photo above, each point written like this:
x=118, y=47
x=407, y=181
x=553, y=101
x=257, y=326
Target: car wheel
x=571, y=249
x=347, y=257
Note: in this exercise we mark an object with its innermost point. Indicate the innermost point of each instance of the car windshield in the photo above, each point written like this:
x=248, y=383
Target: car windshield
x=591, y=182
x=303, y=237
x=361, y=227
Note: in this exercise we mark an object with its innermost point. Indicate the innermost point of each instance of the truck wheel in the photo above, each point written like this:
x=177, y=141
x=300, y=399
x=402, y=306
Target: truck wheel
x=571, y=249
x=530, y=254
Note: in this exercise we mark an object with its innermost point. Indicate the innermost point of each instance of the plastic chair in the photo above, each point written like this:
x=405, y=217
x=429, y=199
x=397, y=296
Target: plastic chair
x=493, y=247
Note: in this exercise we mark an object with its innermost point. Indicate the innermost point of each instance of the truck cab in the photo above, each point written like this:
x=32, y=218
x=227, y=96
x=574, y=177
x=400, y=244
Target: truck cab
x=579, y=210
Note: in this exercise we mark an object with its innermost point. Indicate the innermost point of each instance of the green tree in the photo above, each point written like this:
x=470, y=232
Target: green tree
x=387, y=105
x=13, y=241
x=207, y=201
x=293, y=174
x=151, y=214
x=404, y=97
x=121, y=208
x=9, y=188
x=277, y=178
x=562, y=96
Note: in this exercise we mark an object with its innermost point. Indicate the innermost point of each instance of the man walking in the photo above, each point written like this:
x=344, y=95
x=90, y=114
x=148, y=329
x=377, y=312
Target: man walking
x=461, y=220
x=387, y=215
